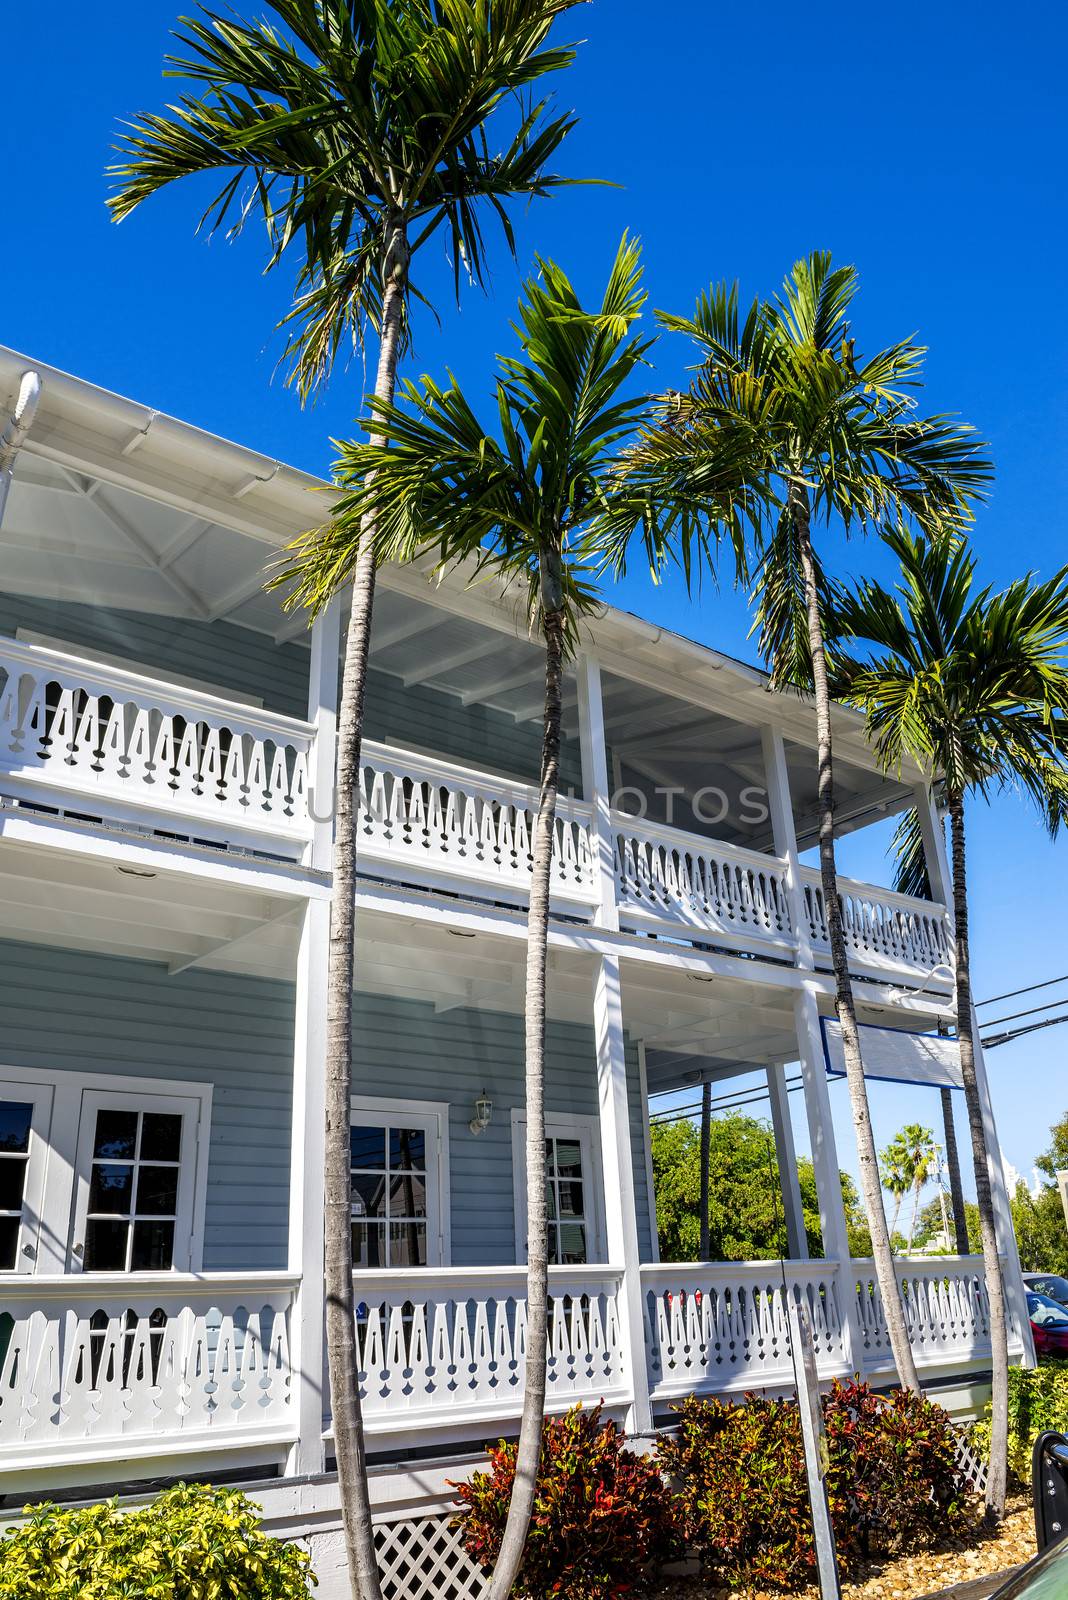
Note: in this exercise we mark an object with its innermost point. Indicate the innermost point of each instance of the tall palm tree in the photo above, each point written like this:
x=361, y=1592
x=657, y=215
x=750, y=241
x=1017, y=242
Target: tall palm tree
x=357, y=129
x=923, y=1154
x=974, y=684
x=525, y=500
x=786, y=427
x=896, y=1175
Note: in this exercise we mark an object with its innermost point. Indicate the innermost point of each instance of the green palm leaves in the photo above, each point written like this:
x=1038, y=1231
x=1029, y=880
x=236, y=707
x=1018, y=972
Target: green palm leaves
x=970, y=682
x=525, y=495
x=344, y=123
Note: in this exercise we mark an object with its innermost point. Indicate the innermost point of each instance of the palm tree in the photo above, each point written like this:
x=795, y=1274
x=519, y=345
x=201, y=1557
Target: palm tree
x=786, y=426
x=526, y=502
x=974, y=685
x=923, y=1156
x=896, y=1176
x=359, y=129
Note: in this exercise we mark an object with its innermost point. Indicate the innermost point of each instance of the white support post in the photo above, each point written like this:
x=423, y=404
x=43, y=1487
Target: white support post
x=617, y=1165
x=306, y=1181
x=596, y=787
x=647, y=1147
x=941, y=881
x=786, y=1158
x=784, y=837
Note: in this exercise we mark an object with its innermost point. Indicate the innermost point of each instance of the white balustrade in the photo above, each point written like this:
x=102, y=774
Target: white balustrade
x=445, y=1345
x=947, y=1313
x=106, y=1366
x=881, y=928
x=120, y=740
x=721, y=1326
x=670, y=877
x=459, y=826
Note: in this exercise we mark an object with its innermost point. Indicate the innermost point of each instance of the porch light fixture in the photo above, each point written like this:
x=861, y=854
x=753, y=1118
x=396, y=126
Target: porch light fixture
x=483, y=1113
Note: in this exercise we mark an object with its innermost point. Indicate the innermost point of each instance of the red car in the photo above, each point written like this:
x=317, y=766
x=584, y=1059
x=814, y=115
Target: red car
x=1049, y=1324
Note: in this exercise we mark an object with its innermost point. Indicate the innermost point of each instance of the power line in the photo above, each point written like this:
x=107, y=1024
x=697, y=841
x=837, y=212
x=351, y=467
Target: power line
x=1032, y=1011
x=1018, y=1033
x=1028, y=989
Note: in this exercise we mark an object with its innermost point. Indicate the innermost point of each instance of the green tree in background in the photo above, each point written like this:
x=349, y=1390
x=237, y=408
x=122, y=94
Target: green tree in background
x=746, y=1221
x=1041, y=1229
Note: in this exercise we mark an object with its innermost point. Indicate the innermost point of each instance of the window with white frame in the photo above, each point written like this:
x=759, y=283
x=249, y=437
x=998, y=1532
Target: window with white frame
x=398, y=1169
x=110, y=1179
x=572, y=1188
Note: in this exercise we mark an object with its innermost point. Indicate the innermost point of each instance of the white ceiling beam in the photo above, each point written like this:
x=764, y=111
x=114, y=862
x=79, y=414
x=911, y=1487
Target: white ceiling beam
x=535, y=707
x=217, y=947
x=408, y=627
x=297, y=624
x=437, y=666
x=138, y=542
x=501, y=686
x=237, y=595
x=189, y=533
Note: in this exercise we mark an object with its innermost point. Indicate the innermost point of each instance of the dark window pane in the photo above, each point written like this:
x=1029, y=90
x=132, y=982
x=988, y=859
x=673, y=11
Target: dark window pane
x=368, y=1147
x=571, y=1200
x=157, y=1191
x=15, y=1119
x=554, y=1247
x=407, y=1244
x=9, y=1243
x=368, y=1244
x=12, y=1183
x=550, y=1200
x=407, y=1197
x=161, y=1136
x=153, y=1246
x=105, y=1246
x=110, y=1188
x=569, y=1158
x=368, y=1194
x=572, y=1243
x=116, y=1135
x=550, y=1157
x=407, y=1149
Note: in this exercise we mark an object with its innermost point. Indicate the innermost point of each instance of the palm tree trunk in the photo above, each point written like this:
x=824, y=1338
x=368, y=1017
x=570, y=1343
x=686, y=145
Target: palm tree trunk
x=706, y=1147
x=528, y=1455
x=897, y=1212
x=870, y=1185
x=956, y=1188
x=995, y=1288
x=912, y=1219
x=342, y=1352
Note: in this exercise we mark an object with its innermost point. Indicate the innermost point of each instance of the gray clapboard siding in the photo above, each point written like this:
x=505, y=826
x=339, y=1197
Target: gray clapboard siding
x=95, y=1013
x=247, y=663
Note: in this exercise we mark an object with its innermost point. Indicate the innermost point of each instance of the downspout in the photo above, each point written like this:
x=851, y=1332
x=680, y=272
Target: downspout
x=15, y=428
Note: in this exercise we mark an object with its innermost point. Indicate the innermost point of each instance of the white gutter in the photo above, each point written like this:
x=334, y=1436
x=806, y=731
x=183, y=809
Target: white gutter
x=15, y=429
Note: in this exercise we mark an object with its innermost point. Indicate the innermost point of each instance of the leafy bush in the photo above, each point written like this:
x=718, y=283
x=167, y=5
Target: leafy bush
x=1038, y=1399
x=601, y=1513
x=739, y=1472
x=191, y=1543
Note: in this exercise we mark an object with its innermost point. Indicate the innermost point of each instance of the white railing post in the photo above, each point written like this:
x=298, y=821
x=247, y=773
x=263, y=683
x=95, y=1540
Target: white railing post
x=940, y=878
x=617, y=1165
x=306, y=1181
x=810, y=1048
x=786, y=1159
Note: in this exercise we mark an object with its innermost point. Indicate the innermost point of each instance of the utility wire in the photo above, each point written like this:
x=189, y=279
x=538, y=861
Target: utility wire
x=1033, y=1011
x=1028, y=989
x=1018, y=1033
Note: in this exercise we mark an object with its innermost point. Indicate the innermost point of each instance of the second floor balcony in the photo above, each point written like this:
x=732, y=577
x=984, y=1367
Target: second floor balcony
x=113, y=746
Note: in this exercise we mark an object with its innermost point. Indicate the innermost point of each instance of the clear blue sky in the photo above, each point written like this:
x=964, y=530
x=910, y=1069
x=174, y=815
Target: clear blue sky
x=926, y=143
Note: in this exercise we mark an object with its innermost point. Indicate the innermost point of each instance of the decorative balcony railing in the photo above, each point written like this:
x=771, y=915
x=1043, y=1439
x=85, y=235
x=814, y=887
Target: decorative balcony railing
x=881, y=928
x=947, y=1312
x=430, y=819
x=446, y=1346
x=105, y=1367
x=137, y=748
x=676, y=879
x=720, y=1327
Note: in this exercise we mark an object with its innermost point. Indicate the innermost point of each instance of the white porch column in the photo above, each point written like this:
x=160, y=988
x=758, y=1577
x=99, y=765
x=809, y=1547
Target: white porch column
x=597, y=788
x=306, y=1187
x=810, y=1046
x=617, y=1155
x=941, y=881
x=786, y=1157
x=617, y=1165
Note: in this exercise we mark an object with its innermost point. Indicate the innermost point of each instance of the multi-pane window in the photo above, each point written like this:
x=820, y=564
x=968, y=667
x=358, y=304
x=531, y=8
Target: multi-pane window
x=16, y=1120
x=133, y=1191
x=566, y=1197
x=389, y=1195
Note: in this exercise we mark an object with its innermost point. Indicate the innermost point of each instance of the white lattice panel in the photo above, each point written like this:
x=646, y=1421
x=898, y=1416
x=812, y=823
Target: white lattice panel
x=426, y=1560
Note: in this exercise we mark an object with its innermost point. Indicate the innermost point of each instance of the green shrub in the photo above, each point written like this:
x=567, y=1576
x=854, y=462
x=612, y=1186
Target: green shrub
x=1038, y=1399
x=191, y=1543
x=602, y=1515
x=739, y=1473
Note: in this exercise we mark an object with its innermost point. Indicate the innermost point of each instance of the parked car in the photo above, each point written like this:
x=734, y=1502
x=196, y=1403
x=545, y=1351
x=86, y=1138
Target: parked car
x=1044, y=1578
x=1049, y=1324
x=1050, y=1283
